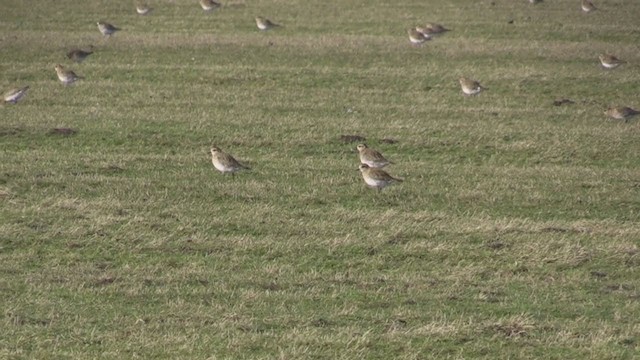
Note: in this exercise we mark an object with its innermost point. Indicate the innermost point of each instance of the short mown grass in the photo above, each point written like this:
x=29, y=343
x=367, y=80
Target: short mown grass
x=514, y=235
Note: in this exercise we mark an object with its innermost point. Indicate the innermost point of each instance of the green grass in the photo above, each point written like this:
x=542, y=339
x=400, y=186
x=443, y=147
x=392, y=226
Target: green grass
x=514, y=235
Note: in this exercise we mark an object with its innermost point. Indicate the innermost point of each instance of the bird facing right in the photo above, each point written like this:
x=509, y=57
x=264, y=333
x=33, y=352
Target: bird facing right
x=67, y=77
x=377, y=178
x=14, y=95
x=224, y=162
x=609, y=61
x=469, y=86
x=371, y=157
x=621, y=113
x=265, y=24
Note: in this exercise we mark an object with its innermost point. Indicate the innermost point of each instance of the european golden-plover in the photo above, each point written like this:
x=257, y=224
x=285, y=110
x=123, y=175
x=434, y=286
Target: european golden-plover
x=432, y=29
x=416, y=37
x=224, y=162
x=143, y=8
x=265, y=24
x=371, y=157
x=107, y=29
x=209, y=5
x=587, y=6
x=78, y=55
x=67, y=77
x=469, y=86
x=377, y=178
x=609, y=61
x=621, y=113
x=12, y=96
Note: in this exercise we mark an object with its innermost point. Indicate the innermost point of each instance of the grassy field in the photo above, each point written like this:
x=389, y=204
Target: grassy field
x=515, y=234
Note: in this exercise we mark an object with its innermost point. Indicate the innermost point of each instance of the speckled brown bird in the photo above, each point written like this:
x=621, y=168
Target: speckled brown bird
x=609, y=61
x=621, y=113
x=67, y=77
x=371, y=157
x=377, y=178
x=224, y=162
x=469, y=86
x=12, y=96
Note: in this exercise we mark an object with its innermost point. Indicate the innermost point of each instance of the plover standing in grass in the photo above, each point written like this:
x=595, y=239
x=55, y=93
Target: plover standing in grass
x=587, y=6
x=621, y=113
x=265, y=24
x=14, y=95
x=432, y=29
x=376, y=178
x=371, y=157
x=67, y=77
x=609, y=61
x=469, y=86
x=224, y=162
x=107, y=29
x=78, y=55
x=416, y=37
x=143, y=8
x=208, y=5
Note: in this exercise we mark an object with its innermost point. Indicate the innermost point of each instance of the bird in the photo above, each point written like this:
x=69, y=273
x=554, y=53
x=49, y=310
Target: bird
x=14, y=95
x=376, y=178
x=67, y=77
x=535, y=1
x=143, y=9
x=432, y=29
x=416, y=37
x=470, y=87
x=371, y=157
x=621, y=113
x=265, y=24
x=609, y=61
x=587, y=6
x=107, y=29
x=208, y=5
x=78, y=55
x=224, y=162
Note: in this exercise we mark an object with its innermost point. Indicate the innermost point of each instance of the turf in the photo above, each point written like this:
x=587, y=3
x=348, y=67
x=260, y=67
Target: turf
x=514, y=235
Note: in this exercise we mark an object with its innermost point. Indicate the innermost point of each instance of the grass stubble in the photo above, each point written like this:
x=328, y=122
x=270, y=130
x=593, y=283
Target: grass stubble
x=514, y=235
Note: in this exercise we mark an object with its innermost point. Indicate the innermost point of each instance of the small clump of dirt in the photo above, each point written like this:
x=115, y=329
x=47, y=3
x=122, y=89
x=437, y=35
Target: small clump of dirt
x=352, y=138
x=62, y=131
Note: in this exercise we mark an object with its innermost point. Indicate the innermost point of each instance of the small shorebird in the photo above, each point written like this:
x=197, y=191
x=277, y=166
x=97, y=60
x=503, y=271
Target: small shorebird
x=265, y=24
x=143, y=9
x=469, y=86
x=376, y=178
x=621, y=113
x=609, y=61
x=432, y=29
x=371, y=157
x=14, y=95
x=107, y=29
x=224, y=162
x=208, y=5
x=416, y=37
x=78, y=55
x=67, y=77
x=587, y=6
